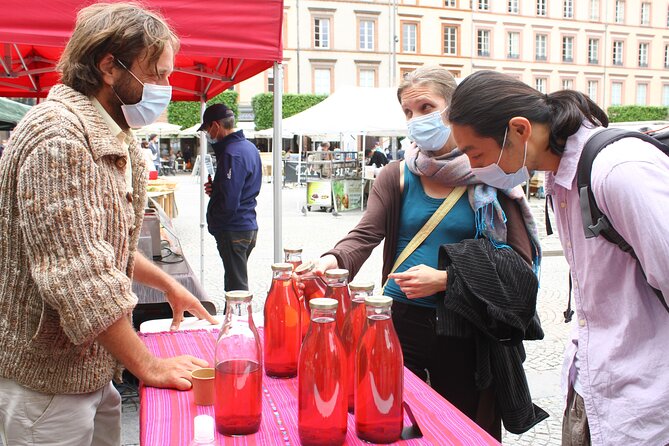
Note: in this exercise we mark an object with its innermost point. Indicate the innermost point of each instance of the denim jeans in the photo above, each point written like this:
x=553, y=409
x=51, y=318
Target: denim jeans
x=235, y=247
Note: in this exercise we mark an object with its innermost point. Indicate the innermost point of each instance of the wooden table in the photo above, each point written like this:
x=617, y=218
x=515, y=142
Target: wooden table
x=166, y=416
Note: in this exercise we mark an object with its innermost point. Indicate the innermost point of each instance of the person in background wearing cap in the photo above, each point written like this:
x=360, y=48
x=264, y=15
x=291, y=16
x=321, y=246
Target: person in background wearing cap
x=71, y=208
x=231, y=213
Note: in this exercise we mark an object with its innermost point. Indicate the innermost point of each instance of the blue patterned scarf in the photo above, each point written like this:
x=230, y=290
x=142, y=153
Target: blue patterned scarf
x=453, y=169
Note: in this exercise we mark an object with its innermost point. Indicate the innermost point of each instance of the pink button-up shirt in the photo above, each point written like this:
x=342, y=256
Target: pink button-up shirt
x=621, y=329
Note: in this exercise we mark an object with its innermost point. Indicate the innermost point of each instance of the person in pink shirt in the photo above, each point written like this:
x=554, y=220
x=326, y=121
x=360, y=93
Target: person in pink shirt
x=616, y=371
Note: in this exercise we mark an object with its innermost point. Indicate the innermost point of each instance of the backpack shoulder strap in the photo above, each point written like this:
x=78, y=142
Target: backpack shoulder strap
x=595, y=223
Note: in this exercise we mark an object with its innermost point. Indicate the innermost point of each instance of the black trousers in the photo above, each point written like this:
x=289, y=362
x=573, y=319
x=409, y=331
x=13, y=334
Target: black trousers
x=235, y=247
x=448, y=364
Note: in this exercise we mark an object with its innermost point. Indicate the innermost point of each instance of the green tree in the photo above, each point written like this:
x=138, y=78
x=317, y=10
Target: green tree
x=187, y=113
x=263, y=106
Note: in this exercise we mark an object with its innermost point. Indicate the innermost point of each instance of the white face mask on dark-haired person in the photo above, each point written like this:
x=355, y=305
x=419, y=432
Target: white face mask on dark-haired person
x=494, y=176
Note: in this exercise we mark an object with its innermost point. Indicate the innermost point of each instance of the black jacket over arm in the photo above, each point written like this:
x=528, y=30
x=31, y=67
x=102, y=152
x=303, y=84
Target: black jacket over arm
x=493, y=292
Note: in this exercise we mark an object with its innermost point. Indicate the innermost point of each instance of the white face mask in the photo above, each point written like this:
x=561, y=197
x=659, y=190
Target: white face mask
x=155, y=99
x=429, y=131
x=494, y=176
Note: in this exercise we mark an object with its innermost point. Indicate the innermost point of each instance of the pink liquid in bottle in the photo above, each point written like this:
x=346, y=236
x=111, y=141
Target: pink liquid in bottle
x=283, y=327
x=379, y=377
x=238, y=405
x=337, y=280
x=354, y=323
x=322, y=393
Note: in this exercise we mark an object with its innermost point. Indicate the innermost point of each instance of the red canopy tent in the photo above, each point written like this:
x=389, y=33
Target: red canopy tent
x=223, y=42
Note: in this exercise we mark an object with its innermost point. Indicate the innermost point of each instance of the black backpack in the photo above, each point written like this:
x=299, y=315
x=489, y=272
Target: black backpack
x=595, y=223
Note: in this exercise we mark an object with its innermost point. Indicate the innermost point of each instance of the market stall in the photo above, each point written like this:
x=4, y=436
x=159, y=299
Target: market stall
x=333, y=181
x=222, y=44
x=166, y=415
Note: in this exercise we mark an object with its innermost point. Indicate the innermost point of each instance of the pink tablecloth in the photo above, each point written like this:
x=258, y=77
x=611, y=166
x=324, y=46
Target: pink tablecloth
x=166, y=416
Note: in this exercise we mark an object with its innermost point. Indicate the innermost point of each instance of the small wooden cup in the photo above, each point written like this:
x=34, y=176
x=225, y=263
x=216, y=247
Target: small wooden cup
x=203, y=386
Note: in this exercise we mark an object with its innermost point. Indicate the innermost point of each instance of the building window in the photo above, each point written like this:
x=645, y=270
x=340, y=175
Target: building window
x=641, y=94
x=366, y=35
x=592, y=90
x=643, y=55
x=645, y=13
x=616, y=93
x=668, y=17
x=665, y=95
x=321, y=33
x=567, y=49
x=513, y=45
x=451, y=40
x=450, y=3
x=666, y=56
x=568, y=9
x=620, y=11
x=322, y=80
x=540, y=46
x=367, y=77
x=513, y=6
x=593, y=51
x=409, y=37
x=483, y=5
x=270, y=80
x=540, y=84
x=483, y=42
x=617, y=52
x=567, y=84
x=594, y=9
x=541, y=8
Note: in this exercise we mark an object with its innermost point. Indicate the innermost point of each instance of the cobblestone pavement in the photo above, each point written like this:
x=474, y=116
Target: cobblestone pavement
x=317, y=231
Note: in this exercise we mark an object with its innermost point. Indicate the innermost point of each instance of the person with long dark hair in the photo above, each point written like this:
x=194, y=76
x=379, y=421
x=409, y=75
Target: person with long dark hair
x=616, y=370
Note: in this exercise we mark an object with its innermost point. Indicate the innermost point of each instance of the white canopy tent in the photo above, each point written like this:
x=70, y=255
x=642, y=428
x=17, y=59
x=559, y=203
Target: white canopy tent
x=349, y=110
x=162, y=129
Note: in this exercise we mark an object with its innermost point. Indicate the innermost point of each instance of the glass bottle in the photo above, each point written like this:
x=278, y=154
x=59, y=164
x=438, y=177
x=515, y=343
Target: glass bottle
x=354, y=323
x=321, y=381
x=293, y=256
x=283, y=335
x=379, y=376
x=238, y=378
x=314, y=286
x=337, y=280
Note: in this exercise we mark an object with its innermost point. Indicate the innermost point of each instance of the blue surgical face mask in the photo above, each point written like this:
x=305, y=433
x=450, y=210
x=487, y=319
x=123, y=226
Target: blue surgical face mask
x=494, y=176
x=155, y=99
x=429, y=131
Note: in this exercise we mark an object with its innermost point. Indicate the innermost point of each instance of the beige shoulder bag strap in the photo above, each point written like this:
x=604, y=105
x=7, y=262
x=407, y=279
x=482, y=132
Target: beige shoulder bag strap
x=429, y=226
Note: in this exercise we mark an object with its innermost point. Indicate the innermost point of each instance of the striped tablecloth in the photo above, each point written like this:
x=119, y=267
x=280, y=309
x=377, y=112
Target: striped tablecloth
x=166, y=416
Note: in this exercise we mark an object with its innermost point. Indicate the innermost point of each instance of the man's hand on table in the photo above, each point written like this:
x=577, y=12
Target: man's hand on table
x=171, y=373
x=180, y=299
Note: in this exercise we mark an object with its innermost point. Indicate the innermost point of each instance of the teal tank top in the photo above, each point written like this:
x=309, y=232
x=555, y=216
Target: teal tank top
x=417, y=208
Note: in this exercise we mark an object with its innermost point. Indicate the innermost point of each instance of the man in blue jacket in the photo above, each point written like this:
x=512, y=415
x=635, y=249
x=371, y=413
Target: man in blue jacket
x=231, y=214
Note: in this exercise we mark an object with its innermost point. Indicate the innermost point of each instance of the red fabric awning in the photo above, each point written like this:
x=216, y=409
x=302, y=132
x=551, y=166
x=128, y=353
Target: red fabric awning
x=223, y=42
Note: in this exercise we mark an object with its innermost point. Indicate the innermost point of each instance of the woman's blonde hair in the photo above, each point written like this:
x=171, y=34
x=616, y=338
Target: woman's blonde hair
x=125, y=30
x=439, y=78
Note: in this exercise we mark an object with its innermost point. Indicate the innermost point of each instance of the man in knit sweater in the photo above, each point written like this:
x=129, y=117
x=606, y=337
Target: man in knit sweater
x=72, y=193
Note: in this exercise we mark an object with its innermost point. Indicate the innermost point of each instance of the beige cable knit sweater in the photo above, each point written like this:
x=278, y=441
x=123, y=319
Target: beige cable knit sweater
x=68, y=234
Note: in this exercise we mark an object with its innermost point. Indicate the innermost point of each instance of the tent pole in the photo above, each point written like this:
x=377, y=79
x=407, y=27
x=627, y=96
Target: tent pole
x=203, y=179
x=299, y=159
x=276, y=160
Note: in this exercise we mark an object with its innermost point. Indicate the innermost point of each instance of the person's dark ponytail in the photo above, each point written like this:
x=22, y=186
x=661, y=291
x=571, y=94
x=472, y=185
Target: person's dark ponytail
x=569, y=109
x=487, y=100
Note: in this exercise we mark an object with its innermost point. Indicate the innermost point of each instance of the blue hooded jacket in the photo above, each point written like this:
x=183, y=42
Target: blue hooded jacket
x=236, y=185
